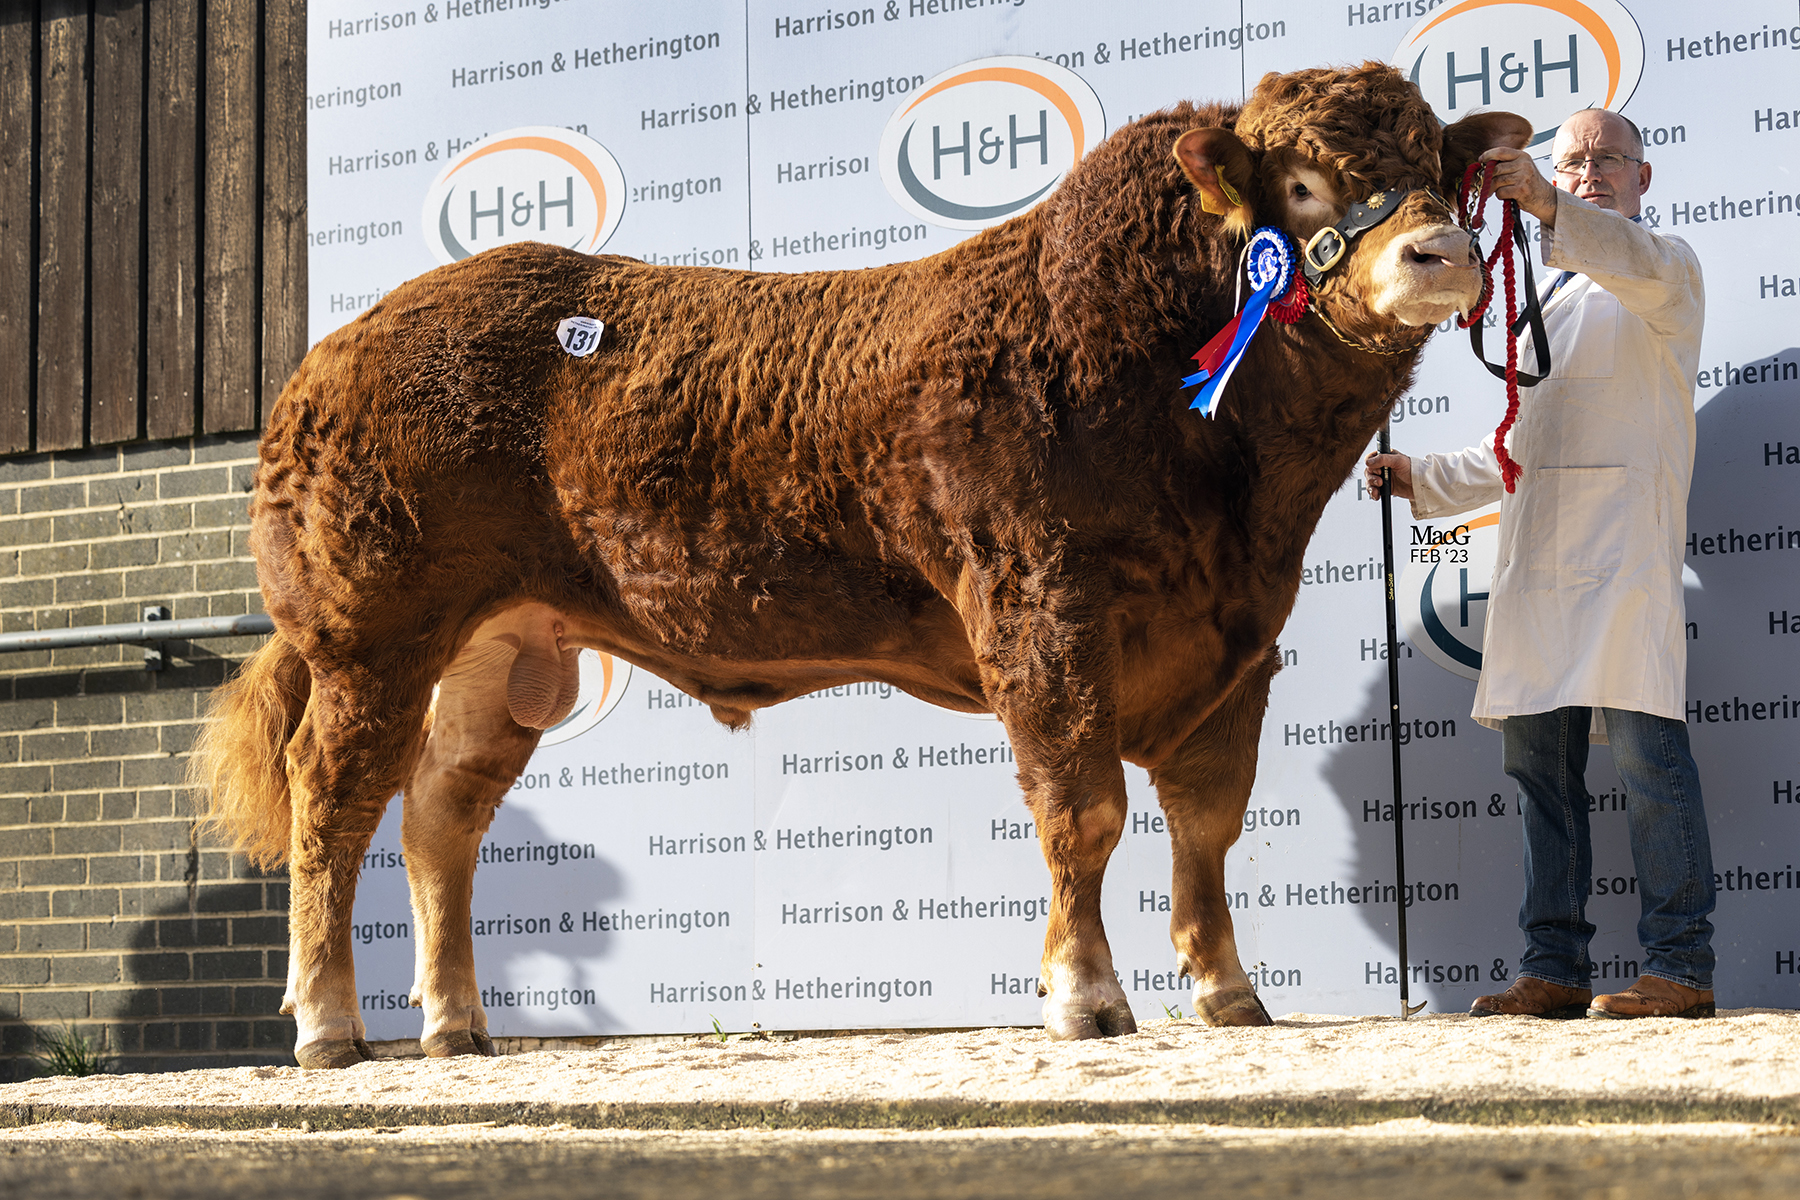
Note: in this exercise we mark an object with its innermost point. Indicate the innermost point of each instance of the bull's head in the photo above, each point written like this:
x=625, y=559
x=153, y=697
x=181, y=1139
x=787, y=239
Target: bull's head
x=1310, y=144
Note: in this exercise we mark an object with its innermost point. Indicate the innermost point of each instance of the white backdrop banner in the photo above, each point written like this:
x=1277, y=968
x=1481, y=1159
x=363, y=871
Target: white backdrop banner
x=860, y=859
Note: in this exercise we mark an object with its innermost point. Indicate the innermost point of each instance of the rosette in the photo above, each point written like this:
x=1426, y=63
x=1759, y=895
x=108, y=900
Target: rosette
x=1269, y=263
x=1271, y=266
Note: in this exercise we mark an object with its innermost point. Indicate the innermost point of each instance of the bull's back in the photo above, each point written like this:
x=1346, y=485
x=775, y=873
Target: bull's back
x=703, y=480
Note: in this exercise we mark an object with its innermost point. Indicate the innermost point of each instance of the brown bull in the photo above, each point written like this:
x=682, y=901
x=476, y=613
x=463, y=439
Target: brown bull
x=974, y=477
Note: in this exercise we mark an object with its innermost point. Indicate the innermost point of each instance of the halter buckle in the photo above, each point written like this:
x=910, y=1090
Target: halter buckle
x=1338, y=245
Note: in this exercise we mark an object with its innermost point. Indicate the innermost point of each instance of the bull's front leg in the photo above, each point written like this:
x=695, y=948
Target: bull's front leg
x=1080, y=813
x=1204, y=788
x=1053, y=688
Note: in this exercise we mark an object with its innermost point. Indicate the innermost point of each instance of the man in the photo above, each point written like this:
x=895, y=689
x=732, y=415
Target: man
x=1586, y=635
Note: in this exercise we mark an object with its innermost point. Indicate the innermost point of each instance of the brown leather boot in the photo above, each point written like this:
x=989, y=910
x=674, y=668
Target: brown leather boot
x=1652, y=996
x=1529, y=997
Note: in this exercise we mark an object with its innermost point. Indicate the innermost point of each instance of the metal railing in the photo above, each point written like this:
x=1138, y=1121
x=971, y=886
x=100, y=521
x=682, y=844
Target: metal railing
x=149, y=633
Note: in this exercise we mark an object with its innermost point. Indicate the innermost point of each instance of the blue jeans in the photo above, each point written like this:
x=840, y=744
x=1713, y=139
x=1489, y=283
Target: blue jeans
x=1546, y=755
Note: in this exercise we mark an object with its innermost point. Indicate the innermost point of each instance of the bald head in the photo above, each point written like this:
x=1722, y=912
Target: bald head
x=1594, y=133
x=1609, y=125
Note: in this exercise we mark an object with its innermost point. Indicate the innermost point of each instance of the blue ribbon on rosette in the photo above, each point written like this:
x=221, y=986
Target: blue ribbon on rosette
x=1270, y=263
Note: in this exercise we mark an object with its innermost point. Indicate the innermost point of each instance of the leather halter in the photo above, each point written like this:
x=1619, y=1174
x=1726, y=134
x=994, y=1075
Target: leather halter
x=1327, y=247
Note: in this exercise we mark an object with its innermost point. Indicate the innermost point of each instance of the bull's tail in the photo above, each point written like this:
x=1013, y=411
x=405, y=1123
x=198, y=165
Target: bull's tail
x=239, y=764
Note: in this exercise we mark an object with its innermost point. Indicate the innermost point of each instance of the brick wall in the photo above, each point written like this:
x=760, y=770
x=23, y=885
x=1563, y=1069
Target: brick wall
x=114, y=919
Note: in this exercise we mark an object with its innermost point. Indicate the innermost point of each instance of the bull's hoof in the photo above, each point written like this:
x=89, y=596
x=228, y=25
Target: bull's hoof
x=328, y=1054
x=458, y=1041
x=1233, y=1006
x=1077, y=1022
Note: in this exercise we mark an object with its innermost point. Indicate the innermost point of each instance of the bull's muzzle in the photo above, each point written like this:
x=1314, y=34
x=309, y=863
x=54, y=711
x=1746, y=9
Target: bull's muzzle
x=1427, y=274
x=1440, y=248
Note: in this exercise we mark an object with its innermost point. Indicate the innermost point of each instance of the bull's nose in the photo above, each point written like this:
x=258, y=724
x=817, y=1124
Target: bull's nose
x=1448, y=247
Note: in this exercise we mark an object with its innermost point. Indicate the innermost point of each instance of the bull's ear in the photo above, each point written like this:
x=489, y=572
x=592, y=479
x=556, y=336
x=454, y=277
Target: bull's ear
x=1475, y=135
x=1222, y=169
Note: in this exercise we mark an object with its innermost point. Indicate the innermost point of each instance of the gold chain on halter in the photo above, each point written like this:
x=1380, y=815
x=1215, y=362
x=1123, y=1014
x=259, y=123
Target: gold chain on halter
x=1355, y=345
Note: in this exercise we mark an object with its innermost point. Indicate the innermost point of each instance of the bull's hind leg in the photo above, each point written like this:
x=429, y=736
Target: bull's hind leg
x=1204, y=788
x=475, y=752
x=360, y=730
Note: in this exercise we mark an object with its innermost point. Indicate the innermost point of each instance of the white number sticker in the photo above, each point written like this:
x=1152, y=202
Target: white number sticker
x=580, y=336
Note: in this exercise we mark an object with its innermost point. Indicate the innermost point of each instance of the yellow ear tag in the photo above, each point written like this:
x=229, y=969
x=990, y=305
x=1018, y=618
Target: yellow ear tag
x=1209, y=204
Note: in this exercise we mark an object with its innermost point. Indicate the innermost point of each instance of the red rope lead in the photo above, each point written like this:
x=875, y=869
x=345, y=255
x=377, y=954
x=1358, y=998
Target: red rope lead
x=1471, y=216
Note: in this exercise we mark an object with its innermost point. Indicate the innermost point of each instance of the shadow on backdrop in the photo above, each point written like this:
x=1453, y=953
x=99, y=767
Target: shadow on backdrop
x=522, y=955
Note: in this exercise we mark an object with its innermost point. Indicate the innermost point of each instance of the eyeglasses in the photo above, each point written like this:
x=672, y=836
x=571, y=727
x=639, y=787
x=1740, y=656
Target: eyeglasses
x=1605, y=164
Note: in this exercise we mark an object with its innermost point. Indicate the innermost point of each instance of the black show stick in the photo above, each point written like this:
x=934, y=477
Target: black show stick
x=1393, y=665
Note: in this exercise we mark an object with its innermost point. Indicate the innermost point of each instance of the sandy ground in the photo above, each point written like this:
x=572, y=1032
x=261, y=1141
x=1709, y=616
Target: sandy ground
x=1742, y=1065
x=1414, y=1158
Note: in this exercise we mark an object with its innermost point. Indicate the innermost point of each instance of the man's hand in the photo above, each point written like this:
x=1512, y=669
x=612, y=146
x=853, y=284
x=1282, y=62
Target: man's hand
x=1516, y=177
x=1401, y=467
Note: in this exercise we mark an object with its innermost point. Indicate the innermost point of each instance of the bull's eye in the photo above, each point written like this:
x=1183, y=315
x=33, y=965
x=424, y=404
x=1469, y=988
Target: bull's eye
x=1300, y=191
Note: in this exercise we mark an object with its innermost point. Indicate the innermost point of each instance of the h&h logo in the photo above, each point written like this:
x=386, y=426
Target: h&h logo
x=1542, y=59
x=986, y=140
x=532, y=184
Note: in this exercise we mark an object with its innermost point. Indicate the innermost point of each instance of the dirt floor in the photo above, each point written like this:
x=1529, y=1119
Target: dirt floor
x=1410, y=1158
x=1346, y=1108
x=1742, y=1066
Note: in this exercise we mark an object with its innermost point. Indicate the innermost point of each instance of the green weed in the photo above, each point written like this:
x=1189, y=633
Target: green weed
x=65, y=1052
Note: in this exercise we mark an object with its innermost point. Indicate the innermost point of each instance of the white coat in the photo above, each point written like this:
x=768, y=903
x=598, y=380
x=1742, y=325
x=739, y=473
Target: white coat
x=1586, y=604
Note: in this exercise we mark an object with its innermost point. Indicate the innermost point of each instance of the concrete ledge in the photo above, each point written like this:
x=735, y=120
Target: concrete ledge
x=911, y=1115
